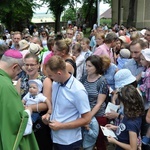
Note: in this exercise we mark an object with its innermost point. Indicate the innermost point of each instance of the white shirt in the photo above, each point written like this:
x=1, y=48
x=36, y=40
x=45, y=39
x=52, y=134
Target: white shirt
x=38, y=98
x=80, y=64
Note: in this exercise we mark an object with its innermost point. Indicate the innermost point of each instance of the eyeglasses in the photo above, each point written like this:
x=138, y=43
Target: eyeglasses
x=69, y=33
x=31, y=65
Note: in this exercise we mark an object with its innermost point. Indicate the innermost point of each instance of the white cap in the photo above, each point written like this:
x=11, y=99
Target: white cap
x=125, y=53
x=123, y=77
x=146, y=53
x=37, y=82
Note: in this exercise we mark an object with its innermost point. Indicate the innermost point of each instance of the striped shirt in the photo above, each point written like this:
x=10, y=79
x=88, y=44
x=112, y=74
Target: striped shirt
x=94, y=89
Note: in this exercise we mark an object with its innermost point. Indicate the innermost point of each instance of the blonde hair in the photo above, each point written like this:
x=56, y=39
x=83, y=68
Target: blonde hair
x=106, y=62
x=101, y=35
x=134, y=36
x=86, y=40
x=63, y=45
x=77, y=47
x=56, y=63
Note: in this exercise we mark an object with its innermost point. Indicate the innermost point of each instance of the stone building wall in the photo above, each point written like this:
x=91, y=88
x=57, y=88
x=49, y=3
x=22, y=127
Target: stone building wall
x=142, y=12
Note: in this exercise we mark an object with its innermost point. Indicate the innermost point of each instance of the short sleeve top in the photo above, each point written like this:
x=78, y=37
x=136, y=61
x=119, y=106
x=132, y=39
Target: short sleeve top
x=94, y=89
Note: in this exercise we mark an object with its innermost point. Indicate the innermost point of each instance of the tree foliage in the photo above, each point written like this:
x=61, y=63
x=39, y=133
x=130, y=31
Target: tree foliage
x=89, y=10
x=16, y=14
x=69, y=14
x=57, y=7
x=86, y=14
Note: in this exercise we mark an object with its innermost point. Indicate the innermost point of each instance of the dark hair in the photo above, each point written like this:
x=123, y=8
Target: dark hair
x=132, y=101
x=4, y=37
x=31, y=55
x=134, y=84
x=3, y=48
x=50, y=43
x=58, y=37
x=125, y=45
x=43, y=30
x=143, y=44
x=110, y=37
x=97, y=62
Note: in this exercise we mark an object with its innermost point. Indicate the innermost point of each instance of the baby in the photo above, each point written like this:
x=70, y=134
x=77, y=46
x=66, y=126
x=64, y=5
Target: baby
x=34, y=97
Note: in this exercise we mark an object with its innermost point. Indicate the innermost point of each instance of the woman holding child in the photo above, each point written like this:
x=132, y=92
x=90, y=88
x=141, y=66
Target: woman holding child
x=31, y=67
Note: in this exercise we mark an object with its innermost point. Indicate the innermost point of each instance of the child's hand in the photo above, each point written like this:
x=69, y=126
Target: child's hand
x=29, y=108
x=45, y=118
x=110, y=126
x=111, y=139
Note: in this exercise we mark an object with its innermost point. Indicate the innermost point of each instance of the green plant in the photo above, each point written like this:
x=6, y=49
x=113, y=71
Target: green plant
x=105, y=21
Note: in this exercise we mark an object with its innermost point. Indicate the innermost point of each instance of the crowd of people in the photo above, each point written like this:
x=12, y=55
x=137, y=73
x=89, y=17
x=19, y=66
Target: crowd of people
x=55, y=89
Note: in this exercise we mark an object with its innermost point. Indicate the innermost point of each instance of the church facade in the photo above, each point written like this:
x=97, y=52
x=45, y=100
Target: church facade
x=120, y=12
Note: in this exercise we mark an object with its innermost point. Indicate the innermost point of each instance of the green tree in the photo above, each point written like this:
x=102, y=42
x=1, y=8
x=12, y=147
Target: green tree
x=16, y=14
x=57, y=7
x=69, y=14
x=89, y=10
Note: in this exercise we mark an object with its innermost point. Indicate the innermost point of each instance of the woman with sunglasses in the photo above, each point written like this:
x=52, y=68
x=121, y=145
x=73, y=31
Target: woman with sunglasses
x=44, y=36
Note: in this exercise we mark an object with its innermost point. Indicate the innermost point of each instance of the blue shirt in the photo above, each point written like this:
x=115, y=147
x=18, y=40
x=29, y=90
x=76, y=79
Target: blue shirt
x=109, y=75
x=134, y=67
x=121, y=62
x=93, y=41
x=90, y=136
x=127, y=125
x=69, y=101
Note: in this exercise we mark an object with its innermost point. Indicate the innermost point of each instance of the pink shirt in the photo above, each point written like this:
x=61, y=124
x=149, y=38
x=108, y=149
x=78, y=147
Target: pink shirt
x=103, y=50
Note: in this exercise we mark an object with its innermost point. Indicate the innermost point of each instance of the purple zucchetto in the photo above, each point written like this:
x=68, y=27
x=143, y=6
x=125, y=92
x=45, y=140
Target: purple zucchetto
x=13, y=54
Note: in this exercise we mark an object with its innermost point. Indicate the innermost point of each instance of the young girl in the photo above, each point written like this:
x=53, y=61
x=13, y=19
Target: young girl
x=85, y=48
x=128, y=130
x=85, y=52
x=145, y=61
x=145, y=89
x=76, y=51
